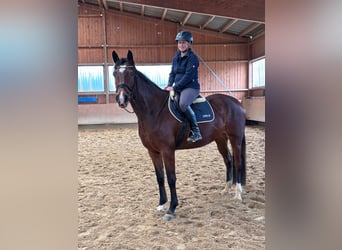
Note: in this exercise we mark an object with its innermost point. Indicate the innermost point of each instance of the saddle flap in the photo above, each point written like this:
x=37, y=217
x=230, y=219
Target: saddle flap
x=201, y=107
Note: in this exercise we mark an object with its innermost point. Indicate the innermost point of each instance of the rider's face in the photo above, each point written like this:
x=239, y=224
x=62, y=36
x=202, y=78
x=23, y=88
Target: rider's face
x=183, y=45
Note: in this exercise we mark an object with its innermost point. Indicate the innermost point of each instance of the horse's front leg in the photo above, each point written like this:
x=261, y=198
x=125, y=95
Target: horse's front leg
x=159, y=170
x=169, y=161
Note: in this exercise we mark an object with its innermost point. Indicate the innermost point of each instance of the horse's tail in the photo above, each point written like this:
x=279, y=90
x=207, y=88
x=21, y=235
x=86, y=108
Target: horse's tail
x=243, y=161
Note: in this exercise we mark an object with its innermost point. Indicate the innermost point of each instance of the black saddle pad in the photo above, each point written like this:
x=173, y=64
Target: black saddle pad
x=202, y=109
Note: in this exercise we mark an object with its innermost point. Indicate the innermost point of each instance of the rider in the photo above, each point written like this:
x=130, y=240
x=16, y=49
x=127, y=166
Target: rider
x=183, y=79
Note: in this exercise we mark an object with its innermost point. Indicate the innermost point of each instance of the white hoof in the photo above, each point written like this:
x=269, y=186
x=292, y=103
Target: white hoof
x=226, y=188
x=239, y=187
x=238, y=192
x=238, y=197
x=160, y=208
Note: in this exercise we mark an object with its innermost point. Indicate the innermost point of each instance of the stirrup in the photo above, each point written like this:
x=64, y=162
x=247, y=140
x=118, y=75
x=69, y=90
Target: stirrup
x=194, y=137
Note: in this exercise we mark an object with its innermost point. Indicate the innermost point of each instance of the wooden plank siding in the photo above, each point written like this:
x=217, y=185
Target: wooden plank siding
x=152, y=41
x=243, y=9
x=257, y=48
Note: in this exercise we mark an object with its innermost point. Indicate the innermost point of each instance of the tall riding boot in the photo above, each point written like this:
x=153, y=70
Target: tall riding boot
x=196, y=134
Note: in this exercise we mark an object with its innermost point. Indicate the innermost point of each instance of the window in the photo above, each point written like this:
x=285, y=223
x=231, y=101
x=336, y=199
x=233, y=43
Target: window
x=159, y=74
x=257, y=73
x=90, y=79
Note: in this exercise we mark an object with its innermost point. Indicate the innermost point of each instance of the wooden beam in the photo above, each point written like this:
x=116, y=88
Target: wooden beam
x=228, y=25
x=105, y=4
x=252, y=10
x=210, y=19
x=249, y=29
x=185, y=20
x=142, y=10
x=164, y=14
x=121, y=6
x=190, y=28
x=216, y=34
x=162, y=45
x=258, y=35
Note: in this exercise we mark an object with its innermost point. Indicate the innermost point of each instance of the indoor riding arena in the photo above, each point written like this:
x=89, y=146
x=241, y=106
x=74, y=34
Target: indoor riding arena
x=118, y=195
x=118, y=191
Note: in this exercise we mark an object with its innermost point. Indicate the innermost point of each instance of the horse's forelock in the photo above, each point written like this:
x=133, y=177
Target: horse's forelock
x=122, y=61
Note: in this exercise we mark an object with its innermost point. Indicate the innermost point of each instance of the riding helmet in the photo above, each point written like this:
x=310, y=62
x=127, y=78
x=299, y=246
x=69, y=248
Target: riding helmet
x=185, y=36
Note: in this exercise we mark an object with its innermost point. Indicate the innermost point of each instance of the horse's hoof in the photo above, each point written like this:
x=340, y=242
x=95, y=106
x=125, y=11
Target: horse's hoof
x=168, y=217
x=224, y=192
x=237, y=197
x=160, y=208
x=226, y=188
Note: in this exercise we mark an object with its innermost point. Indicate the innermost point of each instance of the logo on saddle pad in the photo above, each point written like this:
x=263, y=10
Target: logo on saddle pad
x=201, y=107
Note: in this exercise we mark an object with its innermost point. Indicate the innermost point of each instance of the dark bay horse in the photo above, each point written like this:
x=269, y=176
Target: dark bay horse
x=158, y=129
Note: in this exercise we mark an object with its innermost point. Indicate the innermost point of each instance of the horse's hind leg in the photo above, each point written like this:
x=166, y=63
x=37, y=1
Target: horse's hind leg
x=227, y=158
x=159, y=170
x=239, y=150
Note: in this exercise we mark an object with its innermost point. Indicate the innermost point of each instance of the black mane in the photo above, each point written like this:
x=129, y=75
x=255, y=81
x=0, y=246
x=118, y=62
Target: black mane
x=147, y=80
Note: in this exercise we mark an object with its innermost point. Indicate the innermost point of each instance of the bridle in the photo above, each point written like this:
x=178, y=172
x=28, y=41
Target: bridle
x=129, y=90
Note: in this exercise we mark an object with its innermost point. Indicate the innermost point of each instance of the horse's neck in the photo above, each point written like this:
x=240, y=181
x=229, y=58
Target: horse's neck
x=149, y=100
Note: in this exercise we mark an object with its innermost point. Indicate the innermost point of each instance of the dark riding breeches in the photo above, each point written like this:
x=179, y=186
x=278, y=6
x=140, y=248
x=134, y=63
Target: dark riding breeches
x=187, y=96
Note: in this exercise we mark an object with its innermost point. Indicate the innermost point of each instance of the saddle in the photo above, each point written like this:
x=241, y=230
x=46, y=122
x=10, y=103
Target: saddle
x=201, y=107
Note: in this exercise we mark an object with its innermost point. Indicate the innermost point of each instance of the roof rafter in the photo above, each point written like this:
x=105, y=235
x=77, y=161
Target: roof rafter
x=142, y=12
x=164, y=14
x=251, y=10
x=249, y=29
x=203, y=21
x=210, y=19
x=258, y=35
x=185, y=20
x=105, y=4
x=228, y=25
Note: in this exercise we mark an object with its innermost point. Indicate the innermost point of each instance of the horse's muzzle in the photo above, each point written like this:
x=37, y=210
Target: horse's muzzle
x=122, y=100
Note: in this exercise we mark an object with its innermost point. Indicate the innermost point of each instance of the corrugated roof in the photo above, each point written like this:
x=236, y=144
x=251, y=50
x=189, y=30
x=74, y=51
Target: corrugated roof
x=202, y=21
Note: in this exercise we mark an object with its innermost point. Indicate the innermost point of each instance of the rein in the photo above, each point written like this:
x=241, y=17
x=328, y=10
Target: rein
x=130, y=90
x=162, y=106
x=128, y=111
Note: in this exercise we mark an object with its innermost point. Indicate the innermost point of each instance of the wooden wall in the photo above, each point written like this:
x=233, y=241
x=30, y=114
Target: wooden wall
x=257, y=48
x=152, y=41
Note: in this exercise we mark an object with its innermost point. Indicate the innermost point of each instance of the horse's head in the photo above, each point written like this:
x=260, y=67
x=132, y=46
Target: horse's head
x=124, y=71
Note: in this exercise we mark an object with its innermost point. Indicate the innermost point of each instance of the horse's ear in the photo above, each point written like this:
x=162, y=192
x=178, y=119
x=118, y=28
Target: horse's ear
x=130, y=57
x=115, y=56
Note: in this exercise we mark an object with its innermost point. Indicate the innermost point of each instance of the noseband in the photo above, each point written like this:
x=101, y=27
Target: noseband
x=128, y=89
x=124, y=86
